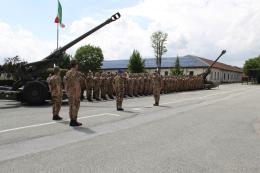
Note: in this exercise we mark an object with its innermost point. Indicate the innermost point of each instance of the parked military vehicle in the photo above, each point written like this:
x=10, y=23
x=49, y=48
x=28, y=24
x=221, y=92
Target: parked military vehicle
x=210, y=84
x=31, y=89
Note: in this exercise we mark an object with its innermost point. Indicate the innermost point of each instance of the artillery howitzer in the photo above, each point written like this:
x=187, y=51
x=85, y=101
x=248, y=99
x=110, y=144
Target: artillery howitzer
x=28, y=87
x=210, y=84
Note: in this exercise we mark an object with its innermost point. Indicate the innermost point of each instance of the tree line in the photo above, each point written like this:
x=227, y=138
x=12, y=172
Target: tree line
x=252, y=68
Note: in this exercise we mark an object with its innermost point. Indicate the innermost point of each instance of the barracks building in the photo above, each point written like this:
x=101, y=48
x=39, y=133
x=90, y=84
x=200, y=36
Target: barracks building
x=191, y=65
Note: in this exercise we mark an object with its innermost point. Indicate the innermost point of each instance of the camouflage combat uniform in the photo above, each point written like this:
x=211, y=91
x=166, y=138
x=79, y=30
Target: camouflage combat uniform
x=96, y=88
x=157, y=82
x=110, y=80
x=74, y=92
x=89, y=86
x=119, y=88
x=56, y=93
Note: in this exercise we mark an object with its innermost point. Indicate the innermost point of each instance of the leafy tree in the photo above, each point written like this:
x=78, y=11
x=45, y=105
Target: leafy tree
x=159, y=45
x=65, y=63
x=252, y=68
x=177, y=71
x=10, y=65
x=136, y=63
x=90, y=58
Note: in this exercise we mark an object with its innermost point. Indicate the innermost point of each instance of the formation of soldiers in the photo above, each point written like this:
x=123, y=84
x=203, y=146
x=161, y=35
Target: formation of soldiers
x=100, y=86
x=110, y=85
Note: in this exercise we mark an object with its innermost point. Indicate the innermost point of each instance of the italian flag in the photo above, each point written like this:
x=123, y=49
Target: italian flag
x=58, y=19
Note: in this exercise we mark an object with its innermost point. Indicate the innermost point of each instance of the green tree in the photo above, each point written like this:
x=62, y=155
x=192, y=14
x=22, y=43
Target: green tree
x=65, y=63
x=136, y=63
x=252, y=68
x=89, y=58
x=11, y=65
x=177, y=71
x=159, y=46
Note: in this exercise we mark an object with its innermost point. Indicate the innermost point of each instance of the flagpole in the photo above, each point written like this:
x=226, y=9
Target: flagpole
x=57, y=36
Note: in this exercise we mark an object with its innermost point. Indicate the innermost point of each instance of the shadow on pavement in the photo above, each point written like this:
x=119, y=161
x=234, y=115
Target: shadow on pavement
x=80, y=129
x=84, y=130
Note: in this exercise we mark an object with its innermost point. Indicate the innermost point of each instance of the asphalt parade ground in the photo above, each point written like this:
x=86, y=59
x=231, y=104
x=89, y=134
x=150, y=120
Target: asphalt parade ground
x=214, y=131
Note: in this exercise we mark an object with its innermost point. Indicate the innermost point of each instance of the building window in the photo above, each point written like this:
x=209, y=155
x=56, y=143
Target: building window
x=218, y=76
x=224, y=76
x=191, y=73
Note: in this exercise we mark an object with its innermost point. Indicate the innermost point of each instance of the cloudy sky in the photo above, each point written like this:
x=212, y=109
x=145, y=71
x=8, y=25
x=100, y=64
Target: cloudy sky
x=195, y=27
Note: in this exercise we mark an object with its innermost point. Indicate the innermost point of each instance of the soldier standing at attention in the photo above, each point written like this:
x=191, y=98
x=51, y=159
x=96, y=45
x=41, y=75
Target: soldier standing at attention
x=119, y=89
x=110, y=85
x=74, y=92
x=82, y=85
x=89, y=83
x=96, y=88
x=157, y=82
x=56, y=93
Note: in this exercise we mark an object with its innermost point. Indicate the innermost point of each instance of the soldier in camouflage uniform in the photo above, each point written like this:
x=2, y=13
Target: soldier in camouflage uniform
x=141, y=85
x=119, y=88
x=56, y=93
x=82, y=85
x=162, y=85
x=74, y=92
x=157, y=82
x=150, y=85
x=110, y=80
x=131, y=86
x=136, y=85
x=96, y=89
x=146, y=85
x=89, y=86
x=126, y=77
x=103, y=86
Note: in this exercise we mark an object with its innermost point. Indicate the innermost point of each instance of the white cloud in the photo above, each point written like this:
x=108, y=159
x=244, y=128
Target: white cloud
x=201, y=27
x=116, y=40
x=205, y=27
x=18, y=41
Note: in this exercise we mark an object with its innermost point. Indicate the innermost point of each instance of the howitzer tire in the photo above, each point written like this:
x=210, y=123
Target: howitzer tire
x=35, y=93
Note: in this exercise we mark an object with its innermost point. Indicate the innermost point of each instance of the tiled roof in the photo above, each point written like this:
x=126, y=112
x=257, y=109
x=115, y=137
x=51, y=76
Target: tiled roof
x=167, y=62
x=222, y=66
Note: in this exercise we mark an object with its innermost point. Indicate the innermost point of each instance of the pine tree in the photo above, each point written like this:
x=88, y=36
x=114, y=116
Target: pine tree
x=177, y=71
x=136, y=63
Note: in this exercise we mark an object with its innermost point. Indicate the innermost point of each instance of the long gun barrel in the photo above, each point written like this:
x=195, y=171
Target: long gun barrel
x=206, y=73
x=55, y=56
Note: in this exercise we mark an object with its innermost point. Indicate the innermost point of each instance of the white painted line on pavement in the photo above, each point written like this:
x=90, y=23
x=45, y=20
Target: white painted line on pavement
x=137, y=109
x=55, y=122
x=210, y=95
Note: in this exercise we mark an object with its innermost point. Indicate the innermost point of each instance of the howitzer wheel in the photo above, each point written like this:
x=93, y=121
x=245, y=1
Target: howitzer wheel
x=35, y=93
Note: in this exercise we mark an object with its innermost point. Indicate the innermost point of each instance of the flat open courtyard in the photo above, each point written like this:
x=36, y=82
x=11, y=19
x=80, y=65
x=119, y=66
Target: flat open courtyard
x=214, y=130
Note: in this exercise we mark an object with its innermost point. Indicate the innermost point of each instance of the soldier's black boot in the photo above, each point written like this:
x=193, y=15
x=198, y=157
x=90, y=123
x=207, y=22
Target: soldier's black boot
x=56, y=118
x=156, y=104
x=74, y=123
x=119, y=107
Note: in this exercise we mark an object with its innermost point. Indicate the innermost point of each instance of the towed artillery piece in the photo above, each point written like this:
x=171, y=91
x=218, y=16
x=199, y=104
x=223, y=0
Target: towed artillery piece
x=28, y=87
x=210, y=84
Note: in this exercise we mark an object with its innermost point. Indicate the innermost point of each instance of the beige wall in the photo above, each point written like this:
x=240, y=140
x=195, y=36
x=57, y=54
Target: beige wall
x=216, y=75
x=225, y=76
